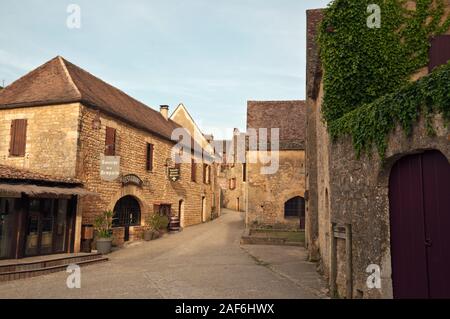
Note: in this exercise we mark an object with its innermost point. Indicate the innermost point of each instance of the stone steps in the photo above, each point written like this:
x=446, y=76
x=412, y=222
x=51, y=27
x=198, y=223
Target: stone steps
x=21, y=270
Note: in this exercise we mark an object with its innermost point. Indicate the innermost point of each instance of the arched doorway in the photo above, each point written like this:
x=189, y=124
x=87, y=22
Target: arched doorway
x=295, y=208
x=127, y=212
x=419, y=201
x=181, y=212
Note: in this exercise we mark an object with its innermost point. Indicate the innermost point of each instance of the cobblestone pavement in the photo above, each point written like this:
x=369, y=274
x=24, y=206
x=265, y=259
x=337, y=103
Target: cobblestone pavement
x=204, y=261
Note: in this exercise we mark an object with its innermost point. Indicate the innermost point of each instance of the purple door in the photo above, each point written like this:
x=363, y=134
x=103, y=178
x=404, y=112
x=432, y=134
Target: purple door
x=419, y=196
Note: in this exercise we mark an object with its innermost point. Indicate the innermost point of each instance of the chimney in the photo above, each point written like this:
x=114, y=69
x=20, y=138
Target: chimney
x=164, y=109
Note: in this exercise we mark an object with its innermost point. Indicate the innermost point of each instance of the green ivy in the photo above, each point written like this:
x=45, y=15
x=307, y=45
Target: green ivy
x=371, y=123
x=363, y=64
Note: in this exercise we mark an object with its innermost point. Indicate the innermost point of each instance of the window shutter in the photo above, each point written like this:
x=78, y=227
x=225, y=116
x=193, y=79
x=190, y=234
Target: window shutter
x=110, y=141
x=193, y=170
x=149, y=157
x=244, y=172
x=18, y=137
x=204, y=173
x=209, y=175
x=439, y=53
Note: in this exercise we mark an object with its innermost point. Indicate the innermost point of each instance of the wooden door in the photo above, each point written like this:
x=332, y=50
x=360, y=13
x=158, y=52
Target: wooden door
x=419, y=195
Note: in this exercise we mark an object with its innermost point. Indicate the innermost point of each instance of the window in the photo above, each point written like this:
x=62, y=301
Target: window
x=149, y=157
x=439, y=53
x=244, y=172
x=193, y=170
x=295, y=207
x=110, y=141
x=18, y=137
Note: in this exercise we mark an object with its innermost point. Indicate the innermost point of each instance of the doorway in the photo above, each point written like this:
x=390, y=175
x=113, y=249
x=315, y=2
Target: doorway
x=181, y=212
x=47, y=226
x=420, y=221
x=127, y=213
x=295, y=208
x=203, y=209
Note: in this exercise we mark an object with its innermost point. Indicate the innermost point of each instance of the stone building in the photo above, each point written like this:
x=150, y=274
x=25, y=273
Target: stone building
x=182, y=117
x=276, y=198
x=233, y=174
x=61, y=121
x=365, y=215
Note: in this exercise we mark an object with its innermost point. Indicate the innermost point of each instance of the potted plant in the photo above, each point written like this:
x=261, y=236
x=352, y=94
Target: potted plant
x=103, y=227
x=154, y=224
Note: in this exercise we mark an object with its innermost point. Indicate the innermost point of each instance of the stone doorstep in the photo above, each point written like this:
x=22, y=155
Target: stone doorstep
x=19, y=265
x=22, y=274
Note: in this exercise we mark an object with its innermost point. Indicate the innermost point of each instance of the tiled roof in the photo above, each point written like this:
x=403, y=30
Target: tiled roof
x=12, y=173
x=59, y=81
x=288, y=116
x=313, y=66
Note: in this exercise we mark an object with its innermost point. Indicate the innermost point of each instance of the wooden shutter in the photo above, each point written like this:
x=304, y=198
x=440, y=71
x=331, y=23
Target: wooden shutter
x=208, y=180
x=204, y=173
x=193, y=170
x=149, y=157
x=18, y=137
x=110, y=141
x=439, y=53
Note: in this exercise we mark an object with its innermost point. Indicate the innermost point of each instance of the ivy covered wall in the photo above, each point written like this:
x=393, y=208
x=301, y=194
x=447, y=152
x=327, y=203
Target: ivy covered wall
x=364, y=64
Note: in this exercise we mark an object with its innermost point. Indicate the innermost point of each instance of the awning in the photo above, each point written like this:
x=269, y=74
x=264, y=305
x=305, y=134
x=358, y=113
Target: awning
x=33, y=190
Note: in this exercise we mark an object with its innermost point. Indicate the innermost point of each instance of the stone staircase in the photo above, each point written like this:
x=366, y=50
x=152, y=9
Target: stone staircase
x=32, y=267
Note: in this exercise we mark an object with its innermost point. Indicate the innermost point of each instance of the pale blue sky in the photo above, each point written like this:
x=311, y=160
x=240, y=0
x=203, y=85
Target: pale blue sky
x=211, y=55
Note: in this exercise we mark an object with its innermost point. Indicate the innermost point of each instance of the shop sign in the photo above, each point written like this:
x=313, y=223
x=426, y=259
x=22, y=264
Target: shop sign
x=174, y=174
x=132, y=179
x=109, y=168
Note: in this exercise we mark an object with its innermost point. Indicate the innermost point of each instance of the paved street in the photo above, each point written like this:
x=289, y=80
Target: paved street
x=204, y=261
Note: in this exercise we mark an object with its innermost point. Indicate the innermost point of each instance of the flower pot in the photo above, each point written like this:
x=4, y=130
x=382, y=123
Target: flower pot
x=104, y=245
x=155, y=234
x=148, y=235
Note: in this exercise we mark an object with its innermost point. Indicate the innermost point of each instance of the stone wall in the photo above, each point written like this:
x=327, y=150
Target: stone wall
x=268, y=193
x=131, y=147
x=232, y=198
x=360, y=198
x=51, y=145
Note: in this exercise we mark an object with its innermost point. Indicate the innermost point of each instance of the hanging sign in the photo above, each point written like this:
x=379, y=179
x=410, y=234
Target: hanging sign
x=109, y=167
x=174, y=174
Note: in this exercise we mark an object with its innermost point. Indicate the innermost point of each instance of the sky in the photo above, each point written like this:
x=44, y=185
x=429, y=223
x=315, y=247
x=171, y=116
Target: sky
x=211, y=55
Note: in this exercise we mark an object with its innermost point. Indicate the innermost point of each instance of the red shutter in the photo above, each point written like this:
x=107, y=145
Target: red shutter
x=439, y=53
x=110, y=141
x=18, y=137
x=149, y=157
x=193, y=170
